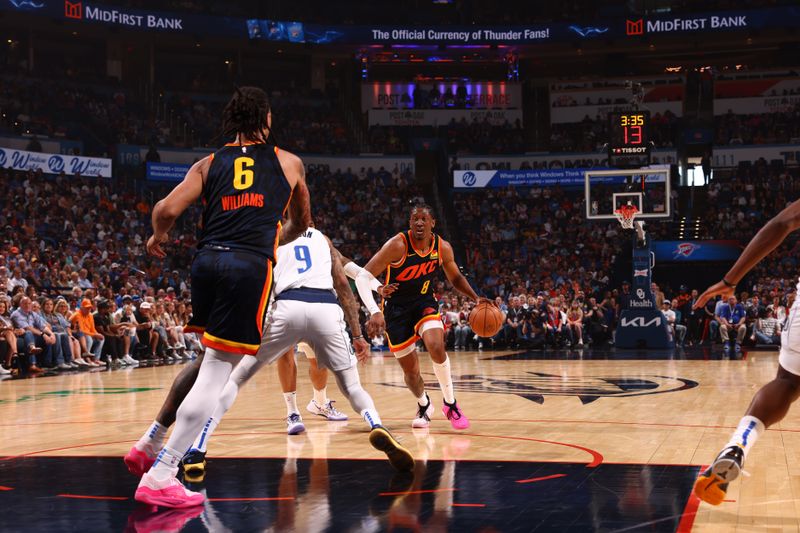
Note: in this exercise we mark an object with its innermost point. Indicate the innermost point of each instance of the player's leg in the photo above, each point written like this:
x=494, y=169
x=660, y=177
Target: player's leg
x=287, y=375
x=234, y=314
x=328, y=335
x=142, y=455
x=769, y=406
x=432, y=334
x=320, y=404
x=194, y=462
x=402, y=343
x=159, y=486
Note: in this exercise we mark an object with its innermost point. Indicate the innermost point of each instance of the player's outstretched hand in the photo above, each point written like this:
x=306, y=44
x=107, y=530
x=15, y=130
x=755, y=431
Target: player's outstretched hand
x=154, y=245
x=376, y=325
x=362, y=349
x=386, y=290
x=718, y=289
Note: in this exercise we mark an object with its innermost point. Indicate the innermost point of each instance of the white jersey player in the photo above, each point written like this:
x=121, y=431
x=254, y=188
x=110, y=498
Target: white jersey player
x=312, y=302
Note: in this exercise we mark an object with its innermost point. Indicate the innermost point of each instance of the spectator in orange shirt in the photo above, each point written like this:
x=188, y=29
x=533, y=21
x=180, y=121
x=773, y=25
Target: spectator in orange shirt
x=84, y=322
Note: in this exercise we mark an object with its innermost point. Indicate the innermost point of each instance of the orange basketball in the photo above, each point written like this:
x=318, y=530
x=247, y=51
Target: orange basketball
x=486, y=320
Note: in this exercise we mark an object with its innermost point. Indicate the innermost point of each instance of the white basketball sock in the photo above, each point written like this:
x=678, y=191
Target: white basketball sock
x=747, y=433
x=166, y=465
x=291, y=403
x=423, y=400
x=442, y=371
x=372, y=417
x=201, y=442
x=321, y=396
x=152, y=440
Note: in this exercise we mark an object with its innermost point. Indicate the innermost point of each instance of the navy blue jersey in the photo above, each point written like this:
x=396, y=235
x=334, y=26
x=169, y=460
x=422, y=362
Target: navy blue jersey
x=414, y=273
x=245, y=196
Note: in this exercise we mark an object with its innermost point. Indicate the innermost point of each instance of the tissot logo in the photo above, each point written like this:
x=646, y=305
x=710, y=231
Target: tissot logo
x=73, y=10
x=634, y=27
x=534, y=386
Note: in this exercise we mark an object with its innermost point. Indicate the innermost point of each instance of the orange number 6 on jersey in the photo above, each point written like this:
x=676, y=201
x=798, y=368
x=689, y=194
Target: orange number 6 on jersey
x=242, y=177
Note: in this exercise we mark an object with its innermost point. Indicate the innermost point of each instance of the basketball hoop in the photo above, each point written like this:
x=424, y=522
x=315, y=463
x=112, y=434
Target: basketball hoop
x=626, y=215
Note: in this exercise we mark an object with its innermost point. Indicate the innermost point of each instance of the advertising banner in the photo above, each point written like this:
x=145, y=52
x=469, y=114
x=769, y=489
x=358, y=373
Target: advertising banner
x=441, y=117
x=167, y=171
x=80, y=11
x=757, y=105
x=55, y=163
x=684, y=251
x=563, y=177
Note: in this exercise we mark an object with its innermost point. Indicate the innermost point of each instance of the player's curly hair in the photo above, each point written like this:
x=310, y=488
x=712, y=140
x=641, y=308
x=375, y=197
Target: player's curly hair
x=422, y=206
x=246, y=114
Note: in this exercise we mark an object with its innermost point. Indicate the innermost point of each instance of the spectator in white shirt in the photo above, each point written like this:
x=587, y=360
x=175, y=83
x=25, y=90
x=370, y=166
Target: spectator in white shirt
x=678, y=330
x=768, y=329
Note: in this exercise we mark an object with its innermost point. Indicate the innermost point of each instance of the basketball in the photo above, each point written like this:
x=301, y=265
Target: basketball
x=486, y=320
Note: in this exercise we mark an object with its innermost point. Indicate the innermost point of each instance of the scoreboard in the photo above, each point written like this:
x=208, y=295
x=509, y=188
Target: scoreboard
x=629, y=144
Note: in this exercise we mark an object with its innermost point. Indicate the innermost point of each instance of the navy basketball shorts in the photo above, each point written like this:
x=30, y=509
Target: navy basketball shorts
x=406, y=322
x=230, y=293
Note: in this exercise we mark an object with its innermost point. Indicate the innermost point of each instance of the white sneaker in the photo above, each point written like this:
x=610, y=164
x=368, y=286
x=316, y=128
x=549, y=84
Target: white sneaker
x=80, y=362
x=4, y=371
x=130, y=360
x=327, y=411
x=294, y=424
x=424, y=413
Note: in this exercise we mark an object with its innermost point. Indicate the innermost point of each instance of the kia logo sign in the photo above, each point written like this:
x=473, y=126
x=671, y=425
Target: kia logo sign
x=55, y=163
x=634, y=27
x=639, y=322
x=469, y=179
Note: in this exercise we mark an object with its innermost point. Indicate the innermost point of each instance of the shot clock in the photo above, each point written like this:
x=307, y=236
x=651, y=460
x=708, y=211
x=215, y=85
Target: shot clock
x=630, y=140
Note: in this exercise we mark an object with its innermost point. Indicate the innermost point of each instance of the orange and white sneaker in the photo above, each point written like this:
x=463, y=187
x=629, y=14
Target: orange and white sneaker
x=138, y=462
x=712, y=485
x=454, y=414
x=167, y=493
x=424, y=413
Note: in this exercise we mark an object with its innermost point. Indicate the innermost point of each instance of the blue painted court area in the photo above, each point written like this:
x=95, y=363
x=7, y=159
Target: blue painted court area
x=95, y=494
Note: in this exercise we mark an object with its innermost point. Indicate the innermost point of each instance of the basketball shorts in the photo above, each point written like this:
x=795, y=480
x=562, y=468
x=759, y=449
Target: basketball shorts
x=320, y=325
x=789, y=357
x=230, y=292
x=405, y=323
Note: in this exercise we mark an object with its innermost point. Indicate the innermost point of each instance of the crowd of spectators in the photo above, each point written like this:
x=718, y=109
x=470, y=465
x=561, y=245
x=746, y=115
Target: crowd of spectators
x=554, y=277
x=75, y=282
x=760, y=128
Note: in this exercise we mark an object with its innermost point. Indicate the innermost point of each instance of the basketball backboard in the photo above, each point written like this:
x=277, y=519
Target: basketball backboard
x=646, y=189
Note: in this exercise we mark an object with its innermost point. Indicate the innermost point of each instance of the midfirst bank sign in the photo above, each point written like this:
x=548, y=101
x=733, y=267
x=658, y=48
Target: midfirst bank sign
x=733, y=22
x=79, y=10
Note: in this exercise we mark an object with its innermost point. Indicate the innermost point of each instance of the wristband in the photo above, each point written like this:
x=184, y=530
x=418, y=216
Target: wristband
x=359, y=337
x=728, y=283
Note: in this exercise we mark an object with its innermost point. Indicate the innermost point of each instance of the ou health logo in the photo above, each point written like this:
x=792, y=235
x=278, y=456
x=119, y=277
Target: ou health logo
x=55, y=163
x=469, y=179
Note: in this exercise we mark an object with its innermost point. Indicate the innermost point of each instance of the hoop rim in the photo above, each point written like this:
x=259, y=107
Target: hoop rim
x=626, y=214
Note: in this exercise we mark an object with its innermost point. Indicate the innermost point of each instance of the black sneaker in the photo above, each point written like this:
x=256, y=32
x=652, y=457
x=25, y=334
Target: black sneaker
x=194, y=465
x=712, y=485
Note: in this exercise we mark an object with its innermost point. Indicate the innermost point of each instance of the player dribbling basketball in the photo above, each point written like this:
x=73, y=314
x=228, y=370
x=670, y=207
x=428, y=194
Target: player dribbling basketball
x=410, y=260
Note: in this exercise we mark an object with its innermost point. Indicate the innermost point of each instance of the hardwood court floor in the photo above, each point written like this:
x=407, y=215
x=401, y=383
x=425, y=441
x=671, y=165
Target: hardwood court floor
x=568, y=441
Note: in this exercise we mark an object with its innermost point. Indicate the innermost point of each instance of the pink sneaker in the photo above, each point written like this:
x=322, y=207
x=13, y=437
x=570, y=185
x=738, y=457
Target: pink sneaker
x=453, y=413
x=138, y=462
x=151, y=520
x=167, y=493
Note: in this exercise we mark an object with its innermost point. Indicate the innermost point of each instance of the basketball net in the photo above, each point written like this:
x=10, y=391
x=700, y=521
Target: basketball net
x=626, y=215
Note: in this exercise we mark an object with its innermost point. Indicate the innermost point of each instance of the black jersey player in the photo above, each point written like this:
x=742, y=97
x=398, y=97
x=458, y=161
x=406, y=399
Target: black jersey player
x=410, y=260
x=246, y=187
